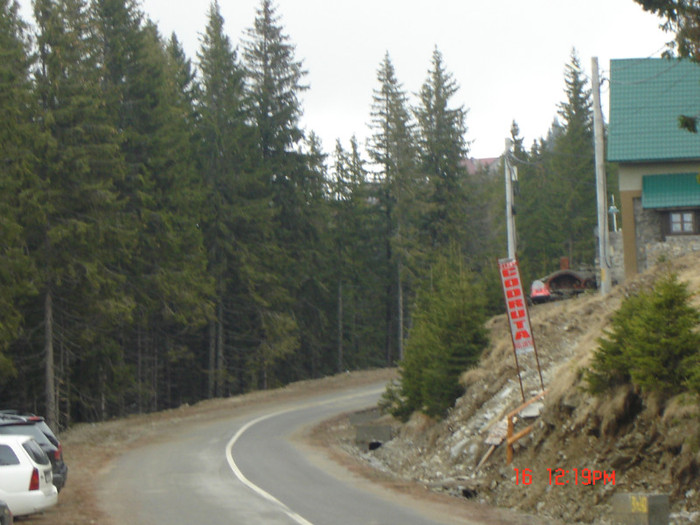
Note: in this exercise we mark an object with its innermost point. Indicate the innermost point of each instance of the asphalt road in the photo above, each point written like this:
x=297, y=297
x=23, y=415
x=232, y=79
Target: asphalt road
x=249, y=470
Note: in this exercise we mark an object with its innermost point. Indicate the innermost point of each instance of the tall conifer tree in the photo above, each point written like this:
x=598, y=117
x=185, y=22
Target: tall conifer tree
x=357, y=241
x=237, y=212
x=573, y=163
x=557, y=203
x=78, y=235
x=17, y=182
x=161, y=195
x=392, y=148
x=442, y=150
x=294, y=170
x=540, y=230
x=308, y=238
x=274, y=82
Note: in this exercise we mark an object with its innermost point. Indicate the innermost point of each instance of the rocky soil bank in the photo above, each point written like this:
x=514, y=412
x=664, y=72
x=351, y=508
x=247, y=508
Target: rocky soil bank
x=636, y=441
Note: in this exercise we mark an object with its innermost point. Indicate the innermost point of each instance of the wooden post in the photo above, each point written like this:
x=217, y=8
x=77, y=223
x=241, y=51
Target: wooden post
x=510, y=438
x=49, y=372
x=509, y=445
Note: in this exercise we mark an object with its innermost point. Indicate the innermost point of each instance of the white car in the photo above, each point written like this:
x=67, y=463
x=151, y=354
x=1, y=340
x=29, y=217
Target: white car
x=25, y=476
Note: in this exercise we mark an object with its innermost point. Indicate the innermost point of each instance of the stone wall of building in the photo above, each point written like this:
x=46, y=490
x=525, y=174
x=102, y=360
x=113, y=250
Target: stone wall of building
x=673, y=247
x=648, y=231
x=617, y=257
x=651, y=246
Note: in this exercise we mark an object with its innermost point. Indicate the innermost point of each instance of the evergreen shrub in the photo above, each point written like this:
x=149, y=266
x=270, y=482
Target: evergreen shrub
x=654, y=343
x=447, y=337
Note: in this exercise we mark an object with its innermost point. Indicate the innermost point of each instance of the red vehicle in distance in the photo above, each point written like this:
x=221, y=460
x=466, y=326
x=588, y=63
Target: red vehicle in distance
x=562, y=284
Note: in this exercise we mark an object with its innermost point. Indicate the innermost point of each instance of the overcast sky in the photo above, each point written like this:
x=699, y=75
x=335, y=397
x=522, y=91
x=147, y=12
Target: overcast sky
x=508, y=56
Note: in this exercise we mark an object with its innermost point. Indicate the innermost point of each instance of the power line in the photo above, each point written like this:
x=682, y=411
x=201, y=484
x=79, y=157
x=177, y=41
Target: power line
x=635, y=64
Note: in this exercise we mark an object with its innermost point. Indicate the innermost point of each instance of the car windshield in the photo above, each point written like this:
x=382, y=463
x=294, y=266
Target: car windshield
x=47, y=431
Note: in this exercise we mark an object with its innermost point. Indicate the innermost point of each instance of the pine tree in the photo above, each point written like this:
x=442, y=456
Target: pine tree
x=447, y=338
x=538, y=222
x=356, y=234
x=17, y=109
x=186, y=87
x=180, y=195
x=78, y=237
x=443, y=148
x=682, y=18
x=223, y=156
x=295, y=172
x=142, y=83
x=556, y=204
x=274, y=83
x=341, y=231
x=573, y=164
x=392, y=148
x=653, y=342
x=238, y=229
x=307, y=236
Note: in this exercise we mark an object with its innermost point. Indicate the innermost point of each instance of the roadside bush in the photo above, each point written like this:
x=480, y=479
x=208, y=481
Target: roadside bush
x=654, y=343
x=447, y=337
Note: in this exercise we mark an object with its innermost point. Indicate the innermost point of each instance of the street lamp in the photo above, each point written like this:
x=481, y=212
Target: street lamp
x=613, y=211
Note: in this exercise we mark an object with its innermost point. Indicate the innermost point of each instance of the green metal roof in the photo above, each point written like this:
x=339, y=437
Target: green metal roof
x=646, y=98
x=676, y=190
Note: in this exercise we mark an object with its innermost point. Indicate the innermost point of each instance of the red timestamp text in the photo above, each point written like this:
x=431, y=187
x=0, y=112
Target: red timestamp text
x=574, y=476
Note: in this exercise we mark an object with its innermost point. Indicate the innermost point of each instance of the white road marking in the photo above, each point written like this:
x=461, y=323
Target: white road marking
x=261, y=492
x=237, y=472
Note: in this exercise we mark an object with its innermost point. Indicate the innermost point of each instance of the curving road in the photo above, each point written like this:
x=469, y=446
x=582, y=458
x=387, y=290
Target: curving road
x=248, y=470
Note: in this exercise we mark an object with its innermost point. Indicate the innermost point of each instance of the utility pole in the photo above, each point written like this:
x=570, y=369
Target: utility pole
x=598, y=134
x=510, y=222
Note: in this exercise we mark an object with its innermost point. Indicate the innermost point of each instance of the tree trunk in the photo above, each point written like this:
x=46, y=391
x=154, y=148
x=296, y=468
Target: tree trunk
x=154, y=407
x=387, y=307
x=67, y=376
x=50, y=389
x=388, y=299
x=211, y=379
x=168, y=374
x=220, y=351
x=59, y=381
x=139, y=368
x=354, y=346
x=399, y=294
x=103, y=397
x=340, y=326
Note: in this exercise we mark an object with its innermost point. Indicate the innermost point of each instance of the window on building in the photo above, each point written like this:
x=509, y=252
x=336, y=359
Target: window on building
x=682, y=223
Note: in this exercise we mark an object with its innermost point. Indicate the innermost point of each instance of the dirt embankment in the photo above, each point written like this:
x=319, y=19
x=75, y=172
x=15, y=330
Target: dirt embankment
x=646, y=445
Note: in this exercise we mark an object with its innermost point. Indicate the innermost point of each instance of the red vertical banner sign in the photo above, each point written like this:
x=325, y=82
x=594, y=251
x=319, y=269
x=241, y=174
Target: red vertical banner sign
x=516, y=307
x=518, y=316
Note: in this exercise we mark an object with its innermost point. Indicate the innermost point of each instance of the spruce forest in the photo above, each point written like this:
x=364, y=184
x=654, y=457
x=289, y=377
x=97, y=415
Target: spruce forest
x=169, y=233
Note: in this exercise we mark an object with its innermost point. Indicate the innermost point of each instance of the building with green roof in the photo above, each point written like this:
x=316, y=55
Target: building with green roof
x=658, y=161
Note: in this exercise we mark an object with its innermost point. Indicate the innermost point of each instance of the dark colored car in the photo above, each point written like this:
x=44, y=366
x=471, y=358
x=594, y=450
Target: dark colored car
x=5, y=514
x=36, y=427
